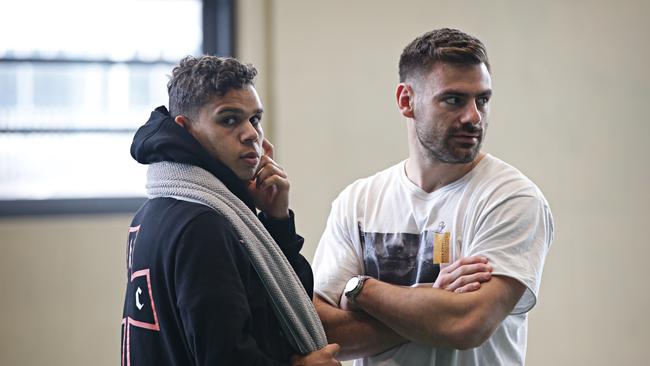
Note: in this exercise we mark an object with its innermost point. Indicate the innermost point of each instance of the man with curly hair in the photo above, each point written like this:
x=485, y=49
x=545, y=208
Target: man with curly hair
x=210, y=281
x=395, y=241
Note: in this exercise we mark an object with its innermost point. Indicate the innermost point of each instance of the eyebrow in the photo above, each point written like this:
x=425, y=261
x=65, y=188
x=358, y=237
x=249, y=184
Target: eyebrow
x=237, y=111
x=485, y=93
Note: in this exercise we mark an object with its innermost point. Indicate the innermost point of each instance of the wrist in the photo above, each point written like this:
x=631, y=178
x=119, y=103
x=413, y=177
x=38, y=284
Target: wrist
x=353, y=288
x=277, y=214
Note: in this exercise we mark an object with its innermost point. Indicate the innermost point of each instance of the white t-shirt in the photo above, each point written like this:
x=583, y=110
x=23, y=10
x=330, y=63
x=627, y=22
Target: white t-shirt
x=385, y=226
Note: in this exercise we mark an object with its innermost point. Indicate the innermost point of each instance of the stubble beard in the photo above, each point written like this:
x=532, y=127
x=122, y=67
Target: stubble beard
x=438, y=145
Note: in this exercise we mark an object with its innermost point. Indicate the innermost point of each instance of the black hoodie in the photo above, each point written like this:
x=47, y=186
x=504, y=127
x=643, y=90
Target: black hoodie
x=193, y=297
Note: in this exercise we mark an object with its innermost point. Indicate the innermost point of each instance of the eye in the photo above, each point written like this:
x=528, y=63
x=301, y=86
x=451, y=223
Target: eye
x=482, y=101
x=255, y=120
x=453, y=100
x=229, y=120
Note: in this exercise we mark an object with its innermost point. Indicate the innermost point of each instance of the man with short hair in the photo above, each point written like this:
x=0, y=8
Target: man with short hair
x=391, y=235
x=209, y=282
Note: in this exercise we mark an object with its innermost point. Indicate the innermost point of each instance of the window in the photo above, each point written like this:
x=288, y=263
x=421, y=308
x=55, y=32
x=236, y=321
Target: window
x=74, y=87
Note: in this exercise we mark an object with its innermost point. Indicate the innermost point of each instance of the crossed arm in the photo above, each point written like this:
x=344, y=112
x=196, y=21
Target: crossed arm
x=358, y=334
x=393, y=315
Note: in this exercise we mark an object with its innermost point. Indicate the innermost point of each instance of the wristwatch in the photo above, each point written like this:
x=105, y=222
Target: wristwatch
x=353, y=288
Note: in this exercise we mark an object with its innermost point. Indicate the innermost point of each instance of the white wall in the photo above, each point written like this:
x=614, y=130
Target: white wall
x=62, y=282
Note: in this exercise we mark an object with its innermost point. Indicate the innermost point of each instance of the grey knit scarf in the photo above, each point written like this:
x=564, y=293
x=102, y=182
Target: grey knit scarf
x=291, y=305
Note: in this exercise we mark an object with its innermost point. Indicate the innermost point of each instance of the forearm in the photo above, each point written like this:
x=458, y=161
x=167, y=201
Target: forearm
x=358, y=334
x=441, y=318
x=405, y=311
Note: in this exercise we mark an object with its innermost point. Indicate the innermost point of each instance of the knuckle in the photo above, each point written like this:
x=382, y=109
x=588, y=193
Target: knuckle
x=459, y=282
x=458, y=272
x=466, y=269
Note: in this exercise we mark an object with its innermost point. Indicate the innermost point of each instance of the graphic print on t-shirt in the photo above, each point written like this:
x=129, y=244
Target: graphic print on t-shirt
x=400, y=258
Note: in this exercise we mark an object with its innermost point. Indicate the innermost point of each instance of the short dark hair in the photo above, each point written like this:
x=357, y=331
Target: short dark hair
x=441, y=45
x=197, y=79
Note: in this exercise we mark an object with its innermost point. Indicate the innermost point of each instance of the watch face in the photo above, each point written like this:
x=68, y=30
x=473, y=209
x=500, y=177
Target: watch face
x=352, y=284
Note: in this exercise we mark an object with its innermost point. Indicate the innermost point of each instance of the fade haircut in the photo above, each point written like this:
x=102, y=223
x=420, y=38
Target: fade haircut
x=440, y=45
x=197, y=79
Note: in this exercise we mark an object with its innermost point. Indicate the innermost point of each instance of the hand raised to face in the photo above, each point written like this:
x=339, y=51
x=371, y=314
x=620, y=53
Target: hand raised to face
x=270, y=186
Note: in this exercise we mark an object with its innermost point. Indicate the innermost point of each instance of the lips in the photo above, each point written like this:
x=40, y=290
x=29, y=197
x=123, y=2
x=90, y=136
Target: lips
x=467, y=138
x=251, y=158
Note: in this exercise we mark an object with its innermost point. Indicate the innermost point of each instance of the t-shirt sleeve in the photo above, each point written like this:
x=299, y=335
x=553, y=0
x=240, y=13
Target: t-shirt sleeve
x=211, y=297
x=337, y=257
x=515, y=237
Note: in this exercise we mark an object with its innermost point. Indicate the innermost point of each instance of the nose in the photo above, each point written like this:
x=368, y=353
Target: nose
x=249, y=133
x=471, y=113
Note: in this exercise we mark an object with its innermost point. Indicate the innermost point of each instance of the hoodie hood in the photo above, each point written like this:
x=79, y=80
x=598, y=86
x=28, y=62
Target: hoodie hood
x=162, y=139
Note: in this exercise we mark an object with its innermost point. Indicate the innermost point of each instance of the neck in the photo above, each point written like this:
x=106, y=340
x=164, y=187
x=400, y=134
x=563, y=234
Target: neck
x=431, y=175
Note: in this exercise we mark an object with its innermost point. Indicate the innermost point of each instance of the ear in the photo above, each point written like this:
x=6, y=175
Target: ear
x=182, y=121
x=405, y=99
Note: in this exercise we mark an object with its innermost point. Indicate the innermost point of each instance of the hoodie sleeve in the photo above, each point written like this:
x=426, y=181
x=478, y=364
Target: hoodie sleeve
x=211, y=296
x=284, y=233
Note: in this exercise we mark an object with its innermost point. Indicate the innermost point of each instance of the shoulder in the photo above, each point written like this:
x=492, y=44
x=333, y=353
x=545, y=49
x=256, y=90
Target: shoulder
x=168, y=209
x=500, y=180
x=211, y=225
x=503, y=193
x=188, y=221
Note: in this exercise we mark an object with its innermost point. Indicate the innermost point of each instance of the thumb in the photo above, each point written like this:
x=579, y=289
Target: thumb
x=332, y=349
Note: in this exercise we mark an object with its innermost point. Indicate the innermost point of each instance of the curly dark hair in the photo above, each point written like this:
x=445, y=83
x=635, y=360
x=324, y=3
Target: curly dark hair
x=445, y=45
x=197, y=79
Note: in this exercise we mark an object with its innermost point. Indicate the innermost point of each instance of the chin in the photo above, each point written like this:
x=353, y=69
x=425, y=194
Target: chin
x=465, y=158
x=246, y=175
x=463, y=155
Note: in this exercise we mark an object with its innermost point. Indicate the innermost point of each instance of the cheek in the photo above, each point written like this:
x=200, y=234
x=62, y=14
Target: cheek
x=226, y=150
x=219, y=147
x=260, y=133
x=441, y=121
